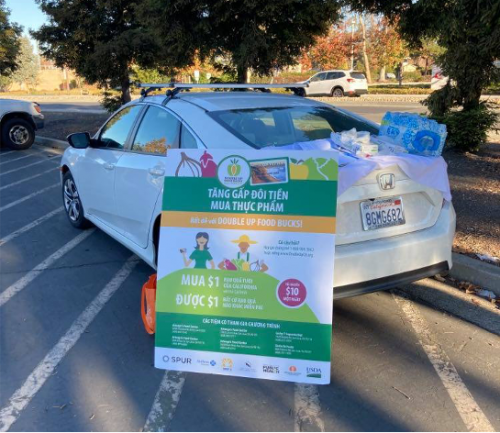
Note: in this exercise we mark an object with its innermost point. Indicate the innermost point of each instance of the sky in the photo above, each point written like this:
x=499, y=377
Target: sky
x=27, y=13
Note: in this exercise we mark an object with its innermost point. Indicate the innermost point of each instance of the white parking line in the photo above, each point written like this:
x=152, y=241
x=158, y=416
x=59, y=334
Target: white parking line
x=27, y=197
x=29, y=226
x=307, y=408
x=30, y=165
x=20, y=284
x=6, y=152
x=165, y=402
x=28, y=178
x=473, y=417
x=23, y=396
x=23, y=157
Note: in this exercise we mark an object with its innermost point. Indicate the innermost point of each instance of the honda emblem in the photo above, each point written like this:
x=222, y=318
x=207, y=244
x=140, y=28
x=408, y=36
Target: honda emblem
x=387, y=181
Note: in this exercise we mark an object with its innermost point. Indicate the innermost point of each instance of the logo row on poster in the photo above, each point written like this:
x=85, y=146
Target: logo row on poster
x=246, y=365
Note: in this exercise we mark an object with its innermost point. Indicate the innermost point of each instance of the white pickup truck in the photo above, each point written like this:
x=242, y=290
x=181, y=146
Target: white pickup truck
x=18, y=122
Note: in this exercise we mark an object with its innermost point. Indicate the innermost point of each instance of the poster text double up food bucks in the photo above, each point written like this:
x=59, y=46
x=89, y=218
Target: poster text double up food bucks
x=245, y=270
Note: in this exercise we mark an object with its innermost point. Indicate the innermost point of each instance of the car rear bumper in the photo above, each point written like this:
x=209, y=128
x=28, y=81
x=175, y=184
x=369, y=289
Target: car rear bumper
x=377, y=265
x=358, y=92
x=38, y=121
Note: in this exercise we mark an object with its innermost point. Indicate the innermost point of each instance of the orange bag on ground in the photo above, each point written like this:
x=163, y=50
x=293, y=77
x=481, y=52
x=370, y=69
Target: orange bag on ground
x=148, y=300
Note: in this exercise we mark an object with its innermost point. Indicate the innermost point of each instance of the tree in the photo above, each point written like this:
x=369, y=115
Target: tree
x=99, y=39
x=469, y=33
x=364, y=49
x=430, y=51
x=330, y=51
x=259, y=34
x=28, y=65
x=10, y=43
x=386, y=48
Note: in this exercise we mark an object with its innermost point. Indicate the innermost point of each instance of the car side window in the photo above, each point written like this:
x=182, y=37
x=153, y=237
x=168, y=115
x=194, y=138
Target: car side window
x=332, y=75
x=318, y=77
x=187, y=139
x=114, y=134
x=158, y=131
x=340, y=75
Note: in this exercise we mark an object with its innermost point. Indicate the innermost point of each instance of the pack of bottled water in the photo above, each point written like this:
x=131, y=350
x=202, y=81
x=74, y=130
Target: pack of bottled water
x=418, y=134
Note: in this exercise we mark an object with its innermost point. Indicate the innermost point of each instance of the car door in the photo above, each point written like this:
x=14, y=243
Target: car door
x=329, y=82
x=140, y=171
x=316, y=83
x=96, y=170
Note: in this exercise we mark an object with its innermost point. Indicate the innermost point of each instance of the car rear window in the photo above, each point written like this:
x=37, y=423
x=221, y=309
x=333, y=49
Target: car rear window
x=265, y=127
x=358, y=75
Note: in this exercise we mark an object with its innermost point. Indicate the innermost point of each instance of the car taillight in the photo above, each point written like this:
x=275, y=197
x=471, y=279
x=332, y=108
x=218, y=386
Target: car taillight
x=350, y=80
x=37, y=108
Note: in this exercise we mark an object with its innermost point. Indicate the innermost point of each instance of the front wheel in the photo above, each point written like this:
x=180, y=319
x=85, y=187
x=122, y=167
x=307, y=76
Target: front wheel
x=18, y=134
x=72, y=203
x=337, y=92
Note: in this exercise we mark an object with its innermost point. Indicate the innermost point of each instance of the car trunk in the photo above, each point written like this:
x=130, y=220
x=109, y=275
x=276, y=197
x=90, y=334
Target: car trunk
x=360, y=81
x=421, y=206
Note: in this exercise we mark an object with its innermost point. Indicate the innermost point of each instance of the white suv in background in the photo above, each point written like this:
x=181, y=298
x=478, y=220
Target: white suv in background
x=337, y=83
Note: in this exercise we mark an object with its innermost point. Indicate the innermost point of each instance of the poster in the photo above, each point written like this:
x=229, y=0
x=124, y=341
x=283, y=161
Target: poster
x=245, y=269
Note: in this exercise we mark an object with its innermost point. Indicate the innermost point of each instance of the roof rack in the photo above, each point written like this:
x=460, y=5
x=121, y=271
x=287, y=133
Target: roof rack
x=178, y=87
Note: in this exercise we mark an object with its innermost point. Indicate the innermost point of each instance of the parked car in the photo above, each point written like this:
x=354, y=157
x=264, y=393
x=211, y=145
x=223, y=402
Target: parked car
x=438, y=80
x=337, y=83
x=115, y=180
x=18, y=122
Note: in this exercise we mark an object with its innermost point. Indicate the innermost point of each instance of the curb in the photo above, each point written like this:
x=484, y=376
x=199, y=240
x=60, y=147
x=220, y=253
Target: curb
x=476, y=272
x=51, y=142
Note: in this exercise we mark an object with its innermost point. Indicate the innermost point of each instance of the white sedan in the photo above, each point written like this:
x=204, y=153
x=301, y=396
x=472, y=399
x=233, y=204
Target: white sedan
x=115, y=180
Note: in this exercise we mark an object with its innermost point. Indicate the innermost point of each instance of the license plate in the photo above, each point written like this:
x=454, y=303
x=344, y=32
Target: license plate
x=383, y=212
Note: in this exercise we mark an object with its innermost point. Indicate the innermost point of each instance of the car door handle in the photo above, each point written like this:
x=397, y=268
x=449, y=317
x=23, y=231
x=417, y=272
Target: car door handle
x=156, y=171
x=108, y=166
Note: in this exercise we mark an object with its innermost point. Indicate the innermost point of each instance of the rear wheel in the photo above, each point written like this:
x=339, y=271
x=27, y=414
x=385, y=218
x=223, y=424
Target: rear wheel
x=337, y=92
x=72, y=203
x=18, y=134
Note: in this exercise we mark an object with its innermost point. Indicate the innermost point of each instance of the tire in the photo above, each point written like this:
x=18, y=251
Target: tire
x=337, y=92
x=18, y=134
x=72, y=203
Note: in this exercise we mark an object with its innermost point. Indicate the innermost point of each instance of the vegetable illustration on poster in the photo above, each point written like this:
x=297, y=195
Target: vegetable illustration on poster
x=245, y=269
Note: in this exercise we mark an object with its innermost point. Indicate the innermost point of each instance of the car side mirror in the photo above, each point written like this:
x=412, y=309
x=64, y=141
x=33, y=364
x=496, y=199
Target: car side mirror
x=79, y=140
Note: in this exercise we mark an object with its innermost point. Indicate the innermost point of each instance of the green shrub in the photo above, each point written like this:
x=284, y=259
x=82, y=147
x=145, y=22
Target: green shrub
x=414, y=76
x=467, y=130
x=403, y=90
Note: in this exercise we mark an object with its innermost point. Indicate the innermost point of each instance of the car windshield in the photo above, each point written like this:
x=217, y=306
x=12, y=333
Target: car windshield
x=265, y=127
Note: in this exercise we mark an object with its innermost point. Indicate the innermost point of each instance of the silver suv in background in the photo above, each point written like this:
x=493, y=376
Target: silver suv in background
x=337, y=83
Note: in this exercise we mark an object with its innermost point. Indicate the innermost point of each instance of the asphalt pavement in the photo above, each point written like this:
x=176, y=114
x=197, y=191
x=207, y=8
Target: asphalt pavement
x=75, y=357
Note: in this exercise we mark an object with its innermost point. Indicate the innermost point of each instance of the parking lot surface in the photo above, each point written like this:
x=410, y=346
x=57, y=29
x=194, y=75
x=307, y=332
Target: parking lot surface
x=74, y=354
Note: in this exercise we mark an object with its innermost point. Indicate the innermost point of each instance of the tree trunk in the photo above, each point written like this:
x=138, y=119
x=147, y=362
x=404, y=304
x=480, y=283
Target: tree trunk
x=243, y=75
x=472, y=100
x=365, y=55
x=125, y=97
x=381, y=77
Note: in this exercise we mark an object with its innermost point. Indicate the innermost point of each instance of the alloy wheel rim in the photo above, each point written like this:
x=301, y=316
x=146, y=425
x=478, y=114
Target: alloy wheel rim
x=19, y=134
x=71, y=200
